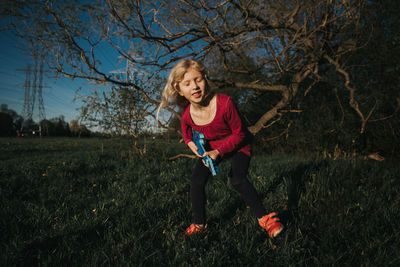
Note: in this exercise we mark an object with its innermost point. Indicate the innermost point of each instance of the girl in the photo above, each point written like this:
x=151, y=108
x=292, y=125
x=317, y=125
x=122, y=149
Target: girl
x=216, y=117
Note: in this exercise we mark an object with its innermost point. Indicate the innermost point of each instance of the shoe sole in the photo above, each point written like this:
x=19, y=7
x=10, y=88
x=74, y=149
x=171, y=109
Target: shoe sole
x=277, y=232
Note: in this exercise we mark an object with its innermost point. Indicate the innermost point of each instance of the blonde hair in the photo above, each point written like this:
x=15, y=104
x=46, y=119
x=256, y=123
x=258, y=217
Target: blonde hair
x=170, y=94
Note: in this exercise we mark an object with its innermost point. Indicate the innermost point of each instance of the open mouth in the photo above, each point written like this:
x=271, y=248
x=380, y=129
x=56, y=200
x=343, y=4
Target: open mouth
x=197, y=94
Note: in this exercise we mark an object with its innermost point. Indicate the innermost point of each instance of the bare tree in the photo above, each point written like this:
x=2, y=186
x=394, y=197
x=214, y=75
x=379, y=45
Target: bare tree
x=263, y=45
x=118, y=111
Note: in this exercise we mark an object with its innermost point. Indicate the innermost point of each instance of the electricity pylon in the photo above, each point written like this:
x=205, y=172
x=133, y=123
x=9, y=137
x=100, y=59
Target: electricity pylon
x=33, y=91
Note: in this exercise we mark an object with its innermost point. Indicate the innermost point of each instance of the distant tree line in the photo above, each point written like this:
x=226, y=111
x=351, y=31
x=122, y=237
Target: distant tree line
x=12, y=124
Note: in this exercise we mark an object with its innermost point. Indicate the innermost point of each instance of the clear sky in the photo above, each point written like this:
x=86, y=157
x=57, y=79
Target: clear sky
x=57, y=94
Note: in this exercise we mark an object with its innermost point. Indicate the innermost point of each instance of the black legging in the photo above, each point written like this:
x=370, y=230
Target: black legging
x=238, y=179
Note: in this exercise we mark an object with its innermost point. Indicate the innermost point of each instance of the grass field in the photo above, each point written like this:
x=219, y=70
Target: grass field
x=91, y=202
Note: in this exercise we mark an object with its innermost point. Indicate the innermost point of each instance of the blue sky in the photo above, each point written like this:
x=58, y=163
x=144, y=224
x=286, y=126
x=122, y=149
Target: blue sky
x=57, y=94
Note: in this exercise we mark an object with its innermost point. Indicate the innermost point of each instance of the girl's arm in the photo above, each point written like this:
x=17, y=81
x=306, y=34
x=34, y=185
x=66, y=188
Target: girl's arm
x=186, y=132
x=188, y=137
x=232, y=118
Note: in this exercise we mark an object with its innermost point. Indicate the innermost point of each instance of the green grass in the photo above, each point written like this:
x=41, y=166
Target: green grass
x=88, y=202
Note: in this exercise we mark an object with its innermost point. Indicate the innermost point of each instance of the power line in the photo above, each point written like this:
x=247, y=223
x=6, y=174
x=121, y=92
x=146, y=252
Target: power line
x=9, y=85
x=58, y=100
x=8, y=73
x=106, y=57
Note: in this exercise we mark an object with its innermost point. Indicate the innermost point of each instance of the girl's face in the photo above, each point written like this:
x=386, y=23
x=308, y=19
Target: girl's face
x=193, y=86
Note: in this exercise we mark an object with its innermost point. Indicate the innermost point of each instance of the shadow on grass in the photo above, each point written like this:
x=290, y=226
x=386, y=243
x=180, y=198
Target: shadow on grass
x=297, y=179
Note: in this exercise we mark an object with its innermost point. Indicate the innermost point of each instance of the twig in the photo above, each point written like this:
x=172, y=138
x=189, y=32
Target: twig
x=182, y=155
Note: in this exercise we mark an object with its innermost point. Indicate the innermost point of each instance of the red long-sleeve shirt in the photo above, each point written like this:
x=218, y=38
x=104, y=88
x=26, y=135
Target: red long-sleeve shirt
x=225, y=132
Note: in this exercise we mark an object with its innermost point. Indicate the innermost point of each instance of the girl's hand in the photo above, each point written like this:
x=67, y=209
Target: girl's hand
x=212, y=154
x=193, y=147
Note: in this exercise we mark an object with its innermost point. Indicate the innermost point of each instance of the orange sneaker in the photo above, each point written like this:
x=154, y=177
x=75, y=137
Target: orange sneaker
x=271, y=224
x=195, y=229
